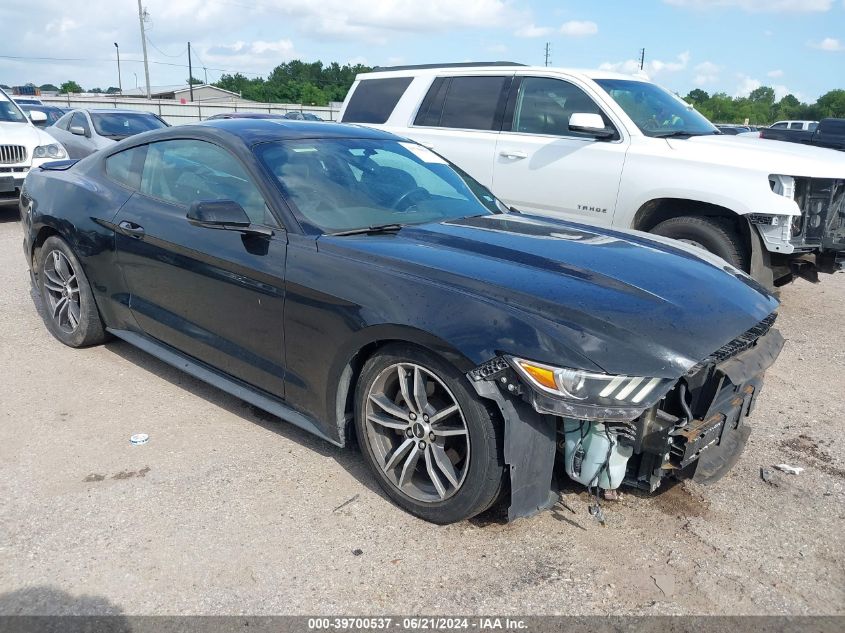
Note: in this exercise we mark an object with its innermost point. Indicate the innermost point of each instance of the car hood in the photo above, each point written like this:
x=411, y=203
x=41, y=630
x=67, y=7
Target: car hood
x=23, y=134
x=769, y=156
x=624, y=302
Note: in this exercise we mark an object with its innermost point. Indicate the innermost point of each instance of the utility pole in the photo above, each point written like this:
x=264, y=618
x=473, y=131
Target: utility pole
x=141, y=15
x=642, y=58
x=205, y=70
x=119, y=83
x=548, y=53
x=190, y=74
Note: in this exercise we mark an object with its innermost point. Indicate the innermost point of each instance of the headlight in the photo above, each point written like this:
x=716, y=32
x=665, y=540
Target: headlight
x=53, y=150
x=586, y=395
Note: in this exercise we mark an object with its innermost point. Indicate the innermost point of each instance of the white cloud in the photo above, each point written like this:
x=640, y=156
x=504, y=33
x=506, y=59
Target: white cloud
x=706, y=73
x=652, y=67
x=829, y=44
x=775, y=74
x=757, y=6
x=530, y=30
x=746, y=86
x=578, y=28
x=61, y=26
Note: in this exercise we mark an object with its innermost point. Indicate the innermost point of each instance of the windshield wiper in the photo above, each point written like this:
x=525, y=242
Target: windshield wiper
x=682, y=133
x=379, y=228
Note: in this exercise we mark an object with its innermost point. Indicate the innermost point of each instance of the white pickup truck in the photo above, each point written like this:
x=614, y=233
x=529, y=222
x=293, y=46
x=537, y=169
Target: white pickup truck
x=618, y=150
x=22, y=147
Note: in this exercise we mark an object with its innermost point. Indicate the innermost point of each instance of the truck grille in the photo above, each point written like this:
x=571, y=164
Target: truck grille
x=822, y=221
x=12, y=154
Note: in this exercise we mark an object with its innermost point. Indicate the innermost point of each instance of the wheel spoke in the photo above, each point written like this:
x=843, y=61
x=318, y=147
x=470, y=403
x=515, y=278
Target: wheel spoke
x=420, y=395
x=408, y=468
x=60, y=304
x=57, y=265
x=403, y=387
x=73, y=314
x=448, y=432
x=429, y=466
x=52, y=286
x=52, y=281
x=394, y=459
x=387, y=406
x=388, y=422
x=443, y=414
x=444, y=463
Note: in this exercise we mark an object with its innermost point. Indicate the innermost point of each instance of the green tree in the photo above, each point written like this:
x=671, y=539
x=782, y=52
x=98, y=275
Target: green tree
x=193, y=81
x=49, y=87
x=70, y=87
x=831, y=104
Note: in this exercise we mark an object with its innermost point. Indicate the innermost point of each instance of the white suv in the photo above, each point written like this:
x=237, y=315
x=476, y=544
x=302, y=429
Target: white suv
x=22, y=147
x=618, y=150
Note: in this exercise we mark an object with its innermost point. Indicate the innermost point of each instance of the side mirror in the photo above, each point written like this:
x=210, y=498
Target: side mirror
x=223, y=214
x=77, y=130
x=36, y=116
x=589, y=123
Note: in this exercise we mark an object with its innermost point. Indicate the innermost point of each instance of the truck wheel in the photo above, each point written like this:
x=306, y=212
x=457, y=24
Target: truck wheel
x=717, y=235
x=433, y=446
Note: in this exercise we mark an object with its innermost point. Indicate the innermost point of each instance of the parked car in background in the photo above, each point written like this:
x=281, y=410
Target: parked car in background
x=617, y=150
x=22, y=147
x=245, y=115
x=83, y=132
x=53, y=114
x=302, y=116
x=828, y=133
x=27, y=101
x=341, y=277
x=808, y=126
x=732, y=130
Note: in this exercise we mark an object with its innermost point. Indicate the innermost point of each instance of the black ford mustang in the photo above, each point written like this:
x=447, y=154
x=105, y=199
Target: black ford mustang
x=354, y=283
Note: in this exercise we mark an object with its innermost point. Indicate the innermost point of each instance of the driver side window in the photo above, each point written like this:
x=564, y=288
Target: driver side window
x=544, y=106
x=183, y=171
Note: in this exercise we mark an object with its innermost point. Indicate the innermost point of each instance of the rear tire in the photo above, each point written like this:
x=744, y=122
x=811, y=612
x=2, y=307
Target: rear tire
x=70, y=312
x=717, y=235
x=438, y=456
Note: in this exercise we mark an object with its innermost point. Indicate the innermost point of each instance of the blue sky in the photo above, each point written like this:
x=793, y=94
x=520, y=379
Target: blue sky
x=732, y=46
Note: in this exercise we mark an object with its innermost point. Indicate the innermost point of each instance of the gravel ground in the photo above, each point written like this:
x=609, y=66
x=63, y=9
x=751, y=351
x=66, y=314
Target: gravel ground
x=227, y=510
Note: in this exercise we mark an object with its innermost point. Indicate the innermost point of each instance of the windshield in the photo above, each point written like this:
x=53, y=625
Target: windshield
x=120, y=125
x=348, y=184
x=654, y=110
x=9, y=112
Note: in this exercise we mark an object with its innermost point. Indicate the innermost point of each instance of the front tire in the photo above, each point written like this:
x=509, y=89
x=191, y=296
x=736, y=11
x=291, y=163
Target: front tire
x=433, y=446
x=717, y=235
x=70, y=312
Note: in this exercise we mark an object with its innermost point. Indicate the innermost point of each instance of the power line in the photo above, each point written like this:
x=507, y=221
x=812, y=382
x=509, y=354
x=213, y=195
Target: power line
x=150, y=42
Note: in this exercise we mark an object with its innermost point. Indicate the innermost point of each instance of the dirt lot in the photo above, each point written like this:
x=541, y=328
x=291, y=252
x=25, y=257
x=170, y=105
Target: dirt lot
x=227, y=510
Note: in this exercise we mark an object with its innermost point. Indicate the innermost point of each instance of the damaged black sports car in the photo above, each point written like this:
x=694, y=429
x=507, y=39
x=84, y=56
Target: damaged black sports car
x=356, y=284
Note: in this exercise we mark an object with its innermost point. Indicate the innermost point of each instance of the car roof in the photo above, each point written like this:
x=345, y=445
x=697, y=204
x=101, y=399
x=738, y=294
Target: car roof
x=112, y=111
x=463, y=69
x=252, y=131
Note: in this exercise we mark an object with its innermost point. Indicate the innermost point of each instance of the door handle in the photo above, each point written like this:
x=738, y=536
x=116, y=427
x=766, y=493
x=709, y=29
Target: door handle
x=515, y=154
x=131, y=229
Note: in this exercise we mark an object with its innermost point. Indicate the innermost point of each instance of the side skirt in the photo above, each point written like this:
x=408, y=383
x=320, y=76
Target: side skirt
x=222, y=381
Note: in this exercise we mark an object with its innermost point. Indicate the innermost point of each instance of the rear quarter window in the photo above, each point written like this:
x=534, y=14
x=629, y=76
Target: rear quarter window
x=374, y=99
x=470, y=103
x=125, y=167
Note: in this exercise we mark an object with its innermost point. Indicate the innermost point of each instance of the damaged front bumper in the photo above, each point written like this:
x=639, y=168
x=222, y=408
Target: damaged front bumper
x=697, y=429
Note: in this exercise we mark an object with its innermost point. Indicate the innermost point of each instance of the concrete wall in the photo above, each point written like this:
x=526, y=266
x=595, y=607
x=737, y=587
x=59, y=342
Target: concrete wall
x=175, y=113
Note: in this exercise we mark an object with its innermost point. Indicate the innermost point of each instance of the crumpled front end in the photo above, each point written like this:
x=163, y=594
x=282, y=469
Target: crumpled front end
x=697, y=428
